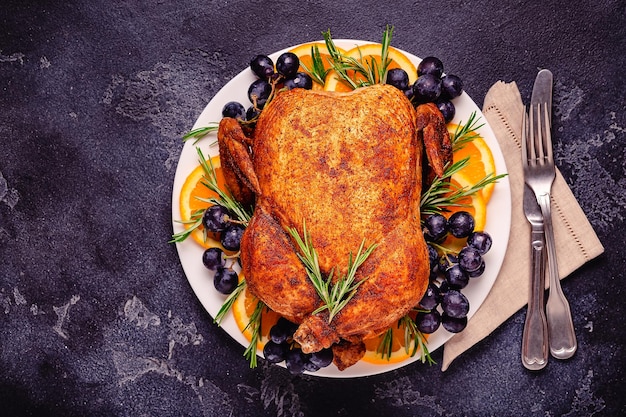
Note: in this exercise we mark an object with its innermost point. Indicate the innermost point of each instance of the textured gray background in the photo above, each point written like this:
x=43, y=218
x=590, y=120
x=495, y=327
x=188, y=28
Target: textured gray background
x=96, y=316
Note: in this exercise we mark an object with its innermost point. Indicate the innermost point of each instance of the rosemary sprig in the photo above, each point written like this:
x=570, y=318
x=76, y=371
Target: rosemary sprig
x=254, y=324
x=414, y=341
x=345, y=288
x=334, y=297
x=337, y=60
x=465, y=132
x=442, y=193
x=412, y=336
x=193, y=223
x=317, y=71
x=223, y=199
x=255, y=327
x=200, y=132
x=384, y=53
x=385, y=346
x=348, y=67
x=230, y=300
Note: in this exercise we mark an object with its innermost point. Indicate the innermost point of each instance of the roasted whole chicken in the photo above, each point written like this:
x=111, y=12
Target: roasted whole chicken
x=349, y=167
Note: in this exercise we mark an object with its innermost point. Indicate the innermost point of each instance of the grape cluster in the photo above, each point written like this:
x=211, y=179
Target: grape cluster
x=219, y=220
x=450, y=271
x=283, y=74
x=432, y=86
x=281, y=347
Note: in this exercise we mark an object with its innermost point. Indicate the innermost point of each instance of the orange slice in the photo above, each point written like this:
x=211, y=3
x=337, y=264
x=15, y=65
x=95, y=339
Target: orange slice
x=306, y=60
x=243, y=308
x=192, y=190
x=366, y=53
x=481, y=162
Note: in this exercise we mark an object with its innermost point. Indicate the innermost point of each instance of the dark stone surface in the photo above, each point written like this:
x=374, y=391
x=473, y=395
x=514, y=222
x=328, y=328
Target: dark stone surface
x=96, y=315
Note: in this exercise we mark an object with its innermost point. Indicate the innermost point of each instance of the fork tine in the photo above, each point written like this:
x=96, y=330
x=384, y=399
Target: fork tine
x=539, y=148
x=547, y=142
x=532, y=154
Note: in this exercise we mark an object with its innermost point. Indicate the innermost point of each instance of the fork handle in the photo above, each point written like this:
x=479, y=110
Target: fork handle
x=560, y=326
x=535, y=337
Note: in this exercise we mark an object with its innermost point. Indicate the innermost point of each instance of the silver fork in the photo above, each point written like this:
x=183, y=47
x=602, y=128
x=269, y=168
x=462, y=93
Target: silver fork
x=539, y=174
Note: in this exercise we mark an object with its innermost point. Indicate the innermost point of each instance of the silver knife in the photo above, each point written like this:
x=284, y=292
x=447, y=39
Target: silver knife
x=535, y=337
x=562, y=340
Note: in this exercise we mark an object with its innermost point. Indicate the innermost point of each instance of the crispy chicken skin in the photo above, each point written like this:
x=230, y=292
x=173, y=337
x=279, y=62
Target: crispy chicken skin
x=235, y=158
x=349, y=166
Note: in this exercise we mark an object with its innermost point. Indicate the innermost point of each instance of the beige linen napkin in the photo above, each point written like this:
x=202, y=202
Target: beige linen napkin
x=576, y=241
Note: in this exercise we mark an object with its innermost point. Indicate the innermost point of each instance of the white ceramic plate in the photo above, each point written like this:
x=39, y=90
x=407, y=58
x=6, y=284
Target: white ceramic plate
x=190, y=253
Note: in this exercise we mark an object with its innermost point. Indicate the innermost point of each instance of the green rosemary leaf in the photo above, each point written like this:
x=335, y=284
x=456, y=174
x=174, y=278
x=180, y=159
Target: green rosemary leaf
x=311, y=263
x=225, y=199
x=230, y=300
x=255, y=327
x=200, y=132
x=347, y=284
x=348, y=67
x=410, y=331
x=431, y=198
x=414, y=341
x=413, y=337
x=194, y=223
x=385, y=346
x=441, y=193
x=371, y=71
x=335, y=55
x=334, y=297
x=384, y=53
x=317, y=71
x=254, y=324
x=466, y=132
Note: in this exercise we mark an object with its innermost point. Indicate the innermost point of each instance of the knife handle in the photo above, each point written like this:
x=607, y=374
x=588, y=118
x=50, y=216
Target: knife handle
x=535, y=338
